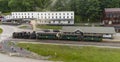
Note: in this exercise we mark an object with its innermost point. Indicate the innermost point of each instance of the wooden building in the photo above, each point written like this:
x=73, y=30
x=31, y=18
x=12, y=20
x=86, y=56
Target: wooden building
x=89, y=31
x=111, y=17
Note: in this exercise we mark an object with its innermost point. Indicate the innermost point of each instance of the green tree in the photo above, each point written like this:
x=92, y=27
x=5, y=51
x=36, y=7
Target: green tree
x=84, y=9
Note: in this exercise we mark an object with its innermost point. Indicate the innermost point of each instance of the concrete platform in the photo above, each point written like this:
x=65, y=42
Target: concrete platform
x=116, y=38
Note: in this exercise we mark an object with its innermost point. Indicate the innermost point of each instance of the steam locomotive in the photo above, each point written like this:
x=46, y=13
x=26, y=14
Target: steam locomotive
x=55, y=36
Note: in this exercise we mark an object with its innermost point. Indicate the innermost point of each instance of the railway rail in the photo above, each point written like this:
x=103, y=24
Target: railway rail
x=86, y=43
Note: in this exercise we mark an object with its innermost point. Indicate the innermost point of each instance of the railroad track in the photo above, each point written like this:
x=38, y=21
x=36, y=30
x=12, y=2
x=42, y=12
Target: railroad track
x=112, y=44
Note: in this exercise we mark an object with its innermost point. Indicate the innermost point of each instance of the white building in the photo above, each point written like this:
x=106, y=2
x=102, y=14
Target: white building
x=66, y=17
x=8, y=17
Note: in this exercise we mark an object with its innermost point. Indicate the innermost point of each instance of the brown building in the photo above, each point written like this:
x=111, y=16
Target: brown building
x=111, y=17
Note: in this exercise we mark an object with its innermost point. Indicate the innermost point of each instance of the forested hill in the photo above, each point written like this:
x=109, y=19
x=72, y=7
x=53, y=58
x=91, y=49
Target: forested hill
x=84, y=9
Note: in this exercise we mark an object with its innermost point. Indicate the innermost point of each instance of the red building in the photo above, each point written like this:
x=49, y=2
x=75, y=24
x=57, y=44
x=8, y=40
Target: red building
x=111, y=17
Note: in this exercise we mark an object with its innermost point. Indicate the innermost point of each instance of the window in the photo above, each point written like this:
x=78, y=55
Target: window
x=71, y=13
x=20, y=14
x=64, y=17
x=59, y=13
x=111, y=15
x=67, y=16
x=67, y=13
x=63, y=13
x=60, y=17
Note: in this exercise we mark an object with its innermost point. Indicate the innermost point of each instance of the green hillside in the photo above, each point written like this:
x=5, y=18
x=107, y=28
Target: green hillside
x=84, y=9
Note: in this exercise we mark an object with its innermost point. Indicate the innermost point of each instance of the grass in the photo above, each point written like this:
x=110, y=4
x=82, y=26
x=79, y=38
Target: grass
x=11, y=43
x=23, y=26
x=45, y=27
x=1, y=30
x=74, y=54
x=48, y=27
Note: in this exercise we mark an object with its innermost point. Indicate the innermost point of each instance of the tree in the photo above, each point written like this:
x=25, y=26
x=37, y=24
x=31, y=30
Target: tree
x=84, y=9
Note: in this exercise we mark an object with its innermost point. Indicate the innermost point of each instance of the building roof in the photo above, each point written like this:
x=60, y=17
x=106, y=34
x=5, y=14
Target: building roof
x=107, y=30
x=112, y=9
x=46, y=12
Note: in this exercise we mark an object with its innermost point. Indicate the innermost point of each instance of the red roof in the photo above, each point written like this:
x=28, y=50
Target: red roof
x=112, y=9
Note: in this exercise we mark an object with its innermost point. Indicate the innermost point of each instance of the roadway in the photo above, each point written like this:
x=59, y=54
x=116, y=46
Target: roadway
x=6, y=58
x=7, y=32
